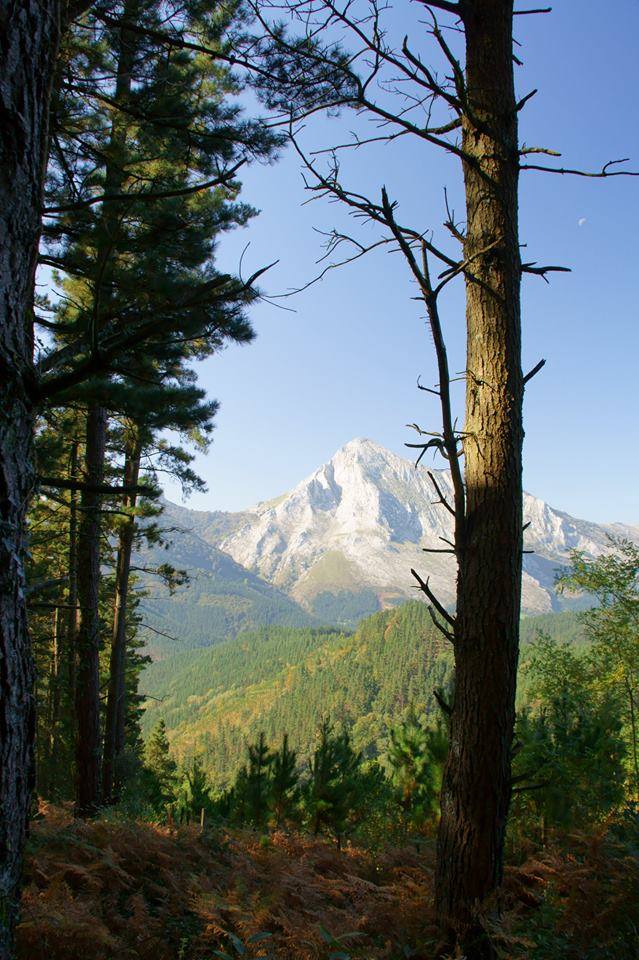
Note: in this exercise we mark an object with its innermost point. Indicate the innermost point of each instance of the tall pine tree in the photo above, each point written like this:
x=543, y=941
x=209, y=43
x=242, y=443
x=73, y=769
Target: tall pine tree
x=285, y=790
x=138, y=194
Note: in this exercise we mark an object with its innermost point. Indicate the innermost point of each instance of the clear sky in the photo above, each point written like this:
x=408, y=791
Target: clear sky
x=345, y=363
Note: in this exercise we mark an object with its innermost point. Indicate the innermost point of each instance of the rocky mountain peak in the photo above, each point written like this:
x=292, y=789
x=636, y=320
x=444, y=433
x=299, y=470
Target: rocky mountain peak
x=359, y=522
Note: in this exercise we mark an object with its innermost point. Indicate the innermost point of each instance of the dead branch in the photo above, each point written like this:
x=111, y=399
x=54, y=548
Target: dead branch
x=542, y=271
x=443, y=705
x=535, y=370
x=450, y=636
x=441, y=609
x=168, y=636
x=567, y=171
x=442, y=499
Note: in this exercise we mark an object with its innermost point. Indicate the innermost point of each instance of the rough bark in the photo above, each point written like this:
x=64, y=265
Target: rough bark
x=45, y=779
x=72, y=595
x=476, y=787
x=114, y=734
x=29, y=34
x=87, y=699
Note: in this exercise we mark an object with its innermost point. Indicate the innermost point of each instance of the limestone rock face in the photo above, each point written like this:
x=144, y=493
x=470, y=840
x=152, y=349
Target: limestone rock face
x=360, y=522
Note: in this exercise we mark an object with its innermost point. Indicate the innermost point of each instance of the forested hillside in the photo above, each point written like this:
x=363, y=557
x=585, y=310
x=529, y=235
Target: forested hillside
x=218, y=600
x=280, y=680
x=233, y=732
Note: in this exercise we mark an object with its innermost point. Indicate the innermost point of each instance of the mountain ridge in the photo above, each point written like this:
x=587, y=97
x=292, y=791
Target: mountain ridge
x=220, y=599
x=358, y=523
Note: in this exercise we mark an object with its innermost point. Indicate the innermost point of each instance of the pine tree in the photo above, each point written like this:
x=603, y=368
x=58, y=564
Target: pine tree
x=136, y=201
x=193, y=799
x=32, y=46
x=569, y=768
x=416, y=756
x=256, y=786
x=335, y=787
x=161, y=767
x=284, y=787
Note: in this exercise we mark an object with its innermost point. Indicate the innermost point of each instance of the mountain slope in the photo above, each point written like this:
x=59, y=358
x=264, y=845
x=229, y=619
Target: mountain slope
x=221, y=599
x=285, y=680
x=337, y=548
x=356, y=526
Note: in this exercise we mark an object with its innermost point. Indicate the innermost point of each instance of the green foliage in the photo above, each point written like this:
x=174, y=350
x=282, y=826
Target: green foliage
x=569, y=767
x=416, y=755
x=336, y=788
x=282, y=679
x=612, y=626
x=285, y=680
x=569, y=770
x=253, y=788
x=193, y=795
x=285, y=790
x=161, y=768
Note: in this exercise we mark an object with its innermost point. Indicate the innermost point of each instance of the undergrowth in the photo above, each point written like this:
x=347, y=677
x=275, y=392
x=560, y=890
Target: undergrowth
x=117, y=890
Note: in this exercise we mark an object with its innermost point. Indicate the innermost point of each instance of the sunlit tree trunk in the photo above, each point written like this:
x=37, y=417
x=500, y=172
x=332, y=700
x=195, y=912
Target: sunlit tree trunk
x=476, y=788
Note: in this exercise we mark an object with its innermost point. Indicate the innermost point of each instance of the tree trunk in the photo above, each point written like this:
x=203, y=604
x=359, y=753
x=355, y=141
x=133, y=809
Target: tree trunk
x=476, y=786
x=29, y=34
x=45, y=781
x=87, y=700
x=114, y=735
x=72, y=594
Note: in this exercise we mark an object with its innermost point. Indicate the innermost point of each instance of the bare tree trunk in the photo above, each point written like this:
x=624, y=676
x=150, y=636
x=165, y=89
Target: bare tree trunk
x=29, y=34
x=476, y=787
x=114, y=735
x=72, y=595
x=46, y=778
x=56, y=695
x=87, y=699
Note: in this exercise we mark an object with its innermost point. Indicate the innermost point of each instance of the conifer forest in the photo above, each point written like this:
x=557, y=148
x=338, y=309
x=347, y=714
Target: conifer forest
x=394, y=712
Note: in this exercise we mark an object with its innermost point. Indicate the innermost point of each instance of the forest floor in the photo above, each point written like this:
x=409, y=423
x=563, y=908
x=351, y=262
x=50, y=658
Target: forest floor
x=118, y=890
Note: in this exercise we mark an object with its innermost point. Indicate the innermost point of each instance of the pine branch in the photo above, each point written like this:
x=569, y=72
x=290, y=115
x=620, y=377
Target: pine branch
x=148, y=196
x=64, y=483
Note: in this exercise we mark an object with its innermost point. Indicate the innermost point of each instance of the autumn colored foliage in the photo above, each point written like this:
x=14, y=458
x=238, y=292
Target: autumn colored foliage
x=115, y=889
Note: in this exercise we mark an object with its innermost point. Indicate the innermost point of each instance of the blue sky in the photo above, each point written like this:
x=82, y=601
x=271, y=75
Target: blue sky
x=345, y=363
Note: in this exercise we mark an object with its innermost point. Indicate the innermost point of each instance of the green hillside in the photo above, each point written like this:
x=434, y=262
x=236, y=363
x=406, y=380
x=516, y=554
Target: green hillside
x=283, y=679
x=221, y=599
